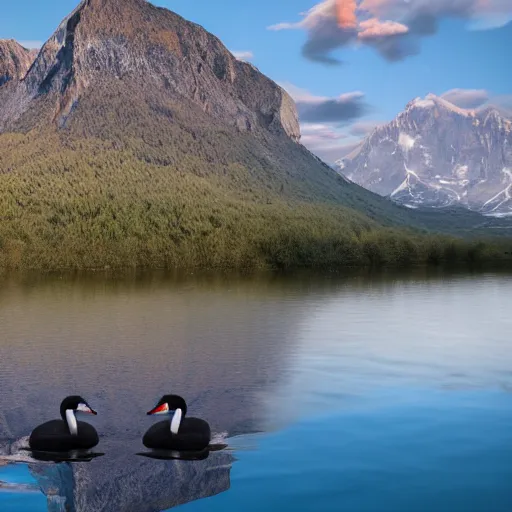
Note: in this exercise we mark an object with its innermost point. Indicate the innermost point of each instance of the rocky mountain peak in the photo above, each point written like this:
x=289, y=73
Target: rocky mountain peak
x=435, y=105
x=437, y=154
x=15, y=60
x=155, y=50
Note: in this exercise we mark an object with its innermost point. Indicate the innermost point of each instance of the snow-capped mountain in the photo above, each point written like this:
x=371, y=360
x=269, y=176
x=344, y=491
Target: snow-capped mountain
x=436, y=154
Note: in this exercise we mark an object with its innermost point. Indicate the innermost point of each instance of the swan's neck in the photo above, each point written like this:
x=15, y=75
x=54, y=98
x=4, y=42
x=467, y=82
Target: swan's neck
x=71, y=421
x=176, y=421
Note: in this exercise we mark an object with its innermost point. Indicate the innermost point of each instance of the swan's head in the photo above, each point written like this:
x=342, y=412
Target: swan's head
x=77, y=404
x=168, y=404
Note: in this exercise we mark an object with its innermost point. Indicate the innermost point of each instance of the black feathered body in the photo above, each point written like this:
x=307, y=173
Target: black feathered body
x=54, y=436
x=194, y=434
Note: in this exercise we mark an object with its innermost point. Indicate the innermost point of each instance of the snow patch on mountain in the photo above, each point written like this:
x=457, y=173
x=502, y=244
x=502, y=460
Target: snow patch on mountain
x=406, y=141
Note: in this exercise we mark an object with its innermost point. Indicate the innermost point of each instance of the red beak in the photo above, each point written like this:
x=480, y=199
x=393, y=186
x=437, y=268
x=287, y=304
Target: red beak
x=159, y=409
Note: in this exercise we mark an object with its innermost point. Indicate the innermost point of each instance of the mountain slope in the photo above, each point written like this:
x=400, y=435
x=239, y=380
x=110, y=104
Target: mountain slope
x=136, y=138
x=14, y=60
x=436, y=154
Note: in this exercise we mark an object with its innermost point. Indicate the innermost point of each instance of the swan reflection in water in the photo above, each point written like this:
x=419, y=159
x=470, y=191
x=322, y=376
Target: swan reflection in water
x=147, y=482
x=60, y=457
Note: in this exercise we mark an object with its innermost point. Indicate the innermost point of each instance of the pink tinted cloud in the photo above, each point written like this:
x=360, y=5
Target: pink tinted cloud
x=346, y=13
x=374, y=29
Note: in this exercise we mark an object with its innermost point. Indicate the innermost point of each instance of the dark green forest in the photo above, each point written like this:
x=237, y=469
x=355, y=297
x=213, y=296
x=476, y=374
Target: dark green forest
x=88, y=208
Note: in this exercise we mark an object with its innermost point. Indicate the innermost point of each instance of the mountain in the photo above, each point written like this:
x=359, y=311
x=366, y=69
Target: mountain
x=15, y=60
x=153, y=51
x=436, y=154
x=136, y=138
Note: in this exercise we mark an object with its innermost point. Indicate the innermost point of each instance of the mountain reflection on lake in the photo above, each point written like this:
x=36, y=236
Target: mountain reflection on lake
x=363, y=392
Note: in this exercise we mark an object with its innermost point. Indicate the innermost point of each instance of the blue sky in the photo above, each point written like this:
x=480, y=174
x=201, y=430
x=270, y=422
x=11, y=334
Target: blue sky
x=374, y=86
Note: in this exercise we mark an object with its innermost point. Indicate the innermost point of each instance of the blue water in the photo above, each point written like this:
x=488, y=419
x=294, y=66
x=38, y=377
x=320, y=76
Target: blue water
x=16, y=473
x=11, y=502
x=415, y=451
x=364, y=394
x=15, y=501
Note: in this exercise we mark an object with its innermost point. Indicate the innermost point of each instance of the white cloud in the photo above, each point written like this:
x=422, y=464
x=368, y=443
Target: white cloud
x=364, y=128
x=283, y=26
x=329, y=141
x=243, y=55
x=334, y=152
x=503, y=103
x=324, y=109
x=318, y=135
x=323, y=10
x=466, y=98
x=490, y=22
x=479, y=99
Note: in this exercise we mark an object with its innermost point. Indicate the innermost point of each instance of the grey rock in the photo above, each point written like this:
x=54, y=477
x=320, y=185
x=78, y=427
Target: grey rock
x=15, y=61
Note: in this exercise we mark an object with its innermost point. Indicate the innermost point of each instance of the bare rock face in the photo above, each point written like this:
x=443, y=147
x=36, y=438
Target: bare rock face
x=132, y=41
x=15, y=61
x=436, y=154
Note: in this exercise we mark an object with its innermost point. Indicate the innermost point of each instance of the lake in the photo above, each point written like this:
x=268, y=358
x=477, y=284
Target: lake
x=361, y=392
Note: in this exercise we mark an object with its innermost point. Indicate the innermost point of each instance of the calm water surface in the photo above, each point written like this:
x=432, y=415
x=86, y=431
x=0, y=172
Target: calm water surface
x=357, y=393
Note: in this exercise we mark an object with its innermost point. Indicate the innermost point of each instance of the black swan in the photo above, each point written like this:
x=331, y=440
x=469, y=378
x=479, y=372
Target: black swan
x=66, y=434
x=179, y=433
